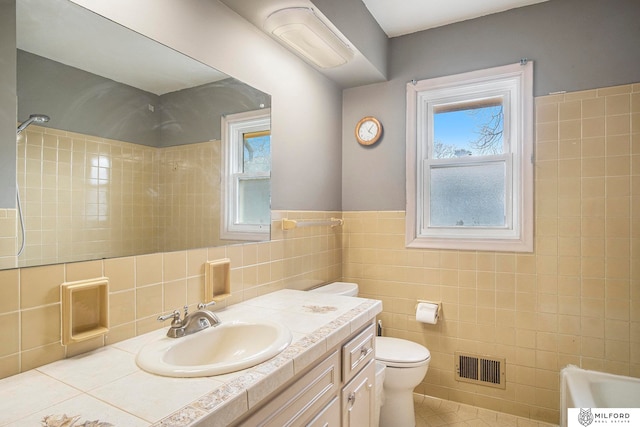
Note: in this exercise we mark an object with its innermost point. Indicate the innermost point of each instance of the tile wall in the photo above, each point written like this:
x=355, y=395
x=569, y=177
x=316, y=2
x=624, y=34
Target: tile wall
x=110, y=198
x=88, y=190
x=8, y=243
x=575, y=300
x=189, y=196
x=142, y=287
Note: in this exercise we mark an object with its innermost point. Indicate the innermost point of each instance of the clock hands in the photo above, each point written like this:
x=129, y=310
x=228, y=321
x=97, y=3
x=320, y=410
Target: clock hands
x=370, y=130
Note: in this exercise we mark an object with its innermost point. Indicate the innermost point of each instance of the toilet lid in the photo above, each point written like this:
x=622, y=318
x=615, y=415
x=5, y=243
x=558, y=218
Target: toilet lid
x=401, y=353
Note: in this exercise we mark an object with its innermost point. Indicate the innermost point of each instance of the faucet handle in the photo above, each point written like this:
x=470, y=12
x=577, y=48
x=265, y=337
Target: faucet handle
x=175, y=316
x=205, y=305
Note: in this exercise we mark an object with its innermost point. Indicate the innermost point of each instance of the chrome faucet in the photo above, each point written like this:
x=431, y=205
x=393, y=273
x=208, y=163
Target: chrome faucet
x=190, y=323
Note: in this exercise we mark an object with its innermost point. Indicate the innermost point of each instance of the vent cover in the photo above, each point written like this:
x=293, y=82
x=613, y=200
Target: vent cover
x=483, y=370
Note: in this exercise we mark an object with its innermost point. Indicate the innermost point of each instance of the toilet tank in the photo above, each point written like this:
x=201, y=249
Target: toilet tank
x=338, y=288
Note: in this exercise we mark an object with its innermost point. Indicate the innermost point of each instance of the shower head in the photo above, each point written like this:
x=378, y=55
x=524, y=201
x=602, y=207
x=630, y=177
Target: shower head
x=34, y=118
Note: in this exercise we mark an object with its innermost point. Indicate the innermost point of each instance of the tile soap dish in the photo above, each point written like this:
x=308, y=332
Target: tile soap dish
x=217, y=280
x=85, y=309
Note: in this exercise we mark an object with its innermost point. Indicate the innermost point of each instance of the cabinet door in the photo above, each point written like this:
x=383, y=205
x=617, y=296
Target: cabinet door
x=358, y=398
x=329, y=417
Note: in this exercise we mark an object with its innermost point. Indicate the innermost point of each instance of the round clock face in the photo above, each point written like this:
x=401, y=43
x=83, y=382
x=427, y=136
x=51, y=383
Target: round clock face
x=368, y=130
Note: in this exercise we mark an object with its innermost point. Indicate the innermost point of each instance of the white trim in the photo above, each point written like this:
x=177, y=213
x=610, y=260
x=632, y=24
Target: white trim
x=234, y=126
x=515, y=84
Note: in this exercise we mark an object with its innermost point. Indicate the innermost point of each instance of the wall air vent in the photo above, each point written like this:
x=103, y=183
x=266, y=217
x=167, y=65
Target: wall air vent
x=483, y=370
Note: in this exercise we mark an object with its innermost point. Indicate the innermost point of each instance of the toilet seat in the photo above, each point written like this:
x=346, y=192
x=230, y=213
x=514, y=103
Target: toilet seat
x=399, y=353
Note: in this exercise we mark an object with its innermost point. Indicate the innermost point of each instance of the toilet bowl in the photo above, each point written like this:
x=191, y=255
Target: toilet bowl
x=380, y=368
x=406, y=364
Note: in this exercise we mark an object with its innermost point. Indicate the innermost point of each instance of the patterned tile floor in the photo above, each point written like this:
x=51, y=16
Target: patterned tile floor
x=433, y=412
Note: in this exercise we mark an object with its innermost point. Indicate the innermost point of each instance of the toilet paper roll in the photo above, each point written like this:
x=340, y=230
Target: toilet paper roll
x=427, y=313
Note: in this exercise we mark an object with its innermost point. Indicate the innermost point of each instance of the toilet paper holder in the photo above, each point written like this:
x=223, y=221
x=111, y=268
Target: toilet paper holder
x=438, y=303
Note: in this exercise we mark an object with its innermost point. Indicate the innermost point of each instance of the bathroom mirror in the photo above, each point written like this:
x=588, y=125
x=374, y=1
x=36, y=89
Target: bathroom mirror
x=129, y=162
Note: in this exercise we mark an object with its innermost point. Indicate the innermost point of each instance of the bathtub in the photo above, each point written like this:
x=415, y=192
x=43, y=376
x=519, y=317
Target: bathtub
x=580, y=388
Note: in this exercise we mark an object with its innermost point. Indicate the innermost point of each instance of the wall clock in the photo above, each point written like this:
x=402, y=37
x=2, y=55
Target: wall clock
x=368, y=130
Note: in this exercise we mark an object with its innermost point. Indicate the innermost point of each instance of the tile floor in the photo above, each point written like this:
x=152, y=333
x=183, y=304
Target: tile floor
x=434, y=412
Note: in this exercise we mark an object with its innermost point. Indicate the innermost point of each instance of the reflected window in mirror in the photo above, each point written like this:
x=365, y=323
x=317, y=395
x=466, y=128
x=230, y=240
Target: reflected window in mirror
x=247, y=175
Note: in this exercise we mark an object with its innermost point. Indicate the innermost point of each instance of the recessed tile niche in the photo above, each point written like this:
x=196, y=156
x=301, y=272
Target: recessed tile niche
x=217, y=280
x=85, y=309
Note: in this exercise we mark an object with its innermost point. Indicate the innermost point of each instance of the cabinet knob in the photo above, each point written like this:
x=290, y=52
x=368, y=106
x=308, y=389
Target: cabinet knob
x=351, y=398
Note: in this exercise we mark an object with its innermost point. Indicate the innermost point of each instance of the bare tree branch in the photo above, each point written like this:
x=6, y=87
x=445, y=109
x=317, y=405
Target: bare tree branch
x=490, y=134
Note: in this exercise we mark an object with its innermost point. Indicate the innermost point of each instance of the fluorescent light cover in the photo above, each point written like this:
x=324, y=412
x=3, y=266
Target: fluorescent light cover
x=301, y=30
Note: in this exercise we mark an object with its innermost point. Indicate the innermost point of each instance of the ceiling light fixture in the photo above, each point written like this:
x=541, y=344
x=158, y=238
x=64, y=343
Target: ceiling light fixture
x=302, y=30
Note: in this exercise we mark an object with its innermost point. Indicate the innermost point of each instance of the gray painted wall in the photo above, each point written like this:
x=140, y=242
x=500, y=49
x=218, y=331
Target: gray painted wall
x=8, y=144
x=194, y=114
x=354, y=20
x=86, y=103
x=576, y=45
x=83, y=102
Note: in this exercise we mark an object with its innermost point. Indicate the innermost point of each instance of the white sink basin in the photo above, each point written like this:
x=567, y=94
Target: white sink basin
x=231, y=346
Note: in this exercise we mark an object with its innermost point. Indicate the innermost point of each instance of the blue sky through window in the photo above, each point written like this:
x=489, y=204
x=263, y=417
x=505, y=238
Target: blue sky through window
x=257, y=154
x=454, y=132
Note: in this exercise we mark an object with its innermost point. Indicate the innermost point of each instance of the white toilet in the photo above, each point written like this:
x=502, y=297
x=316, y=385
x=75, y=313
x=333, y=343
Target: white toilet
x=406, y=364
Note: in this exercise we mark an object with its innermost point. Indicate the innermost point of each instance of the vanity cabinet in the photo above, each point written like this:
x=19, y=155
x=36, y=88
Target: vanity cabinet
x=337, y=391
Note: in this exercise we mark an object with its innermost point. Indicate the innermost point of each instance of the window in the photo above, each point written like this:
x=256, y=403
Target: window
x=469, y=160
x=247, y=170
x=97, y=195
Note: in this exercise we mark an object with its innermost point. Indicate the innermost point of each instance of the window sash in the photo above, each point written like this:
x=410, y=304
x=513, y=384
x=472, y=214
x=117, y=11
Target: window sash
x=424, y=210
x=238, y=223
x=459, y=103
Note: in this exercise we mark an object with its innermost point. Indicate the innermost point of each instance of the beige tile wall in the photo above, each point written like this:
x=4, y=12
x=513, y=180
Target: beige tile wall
x=8, y=244
x=110, y=198
x=95, y=192
x=575, y=300
x=142, y=287
x=189, y=196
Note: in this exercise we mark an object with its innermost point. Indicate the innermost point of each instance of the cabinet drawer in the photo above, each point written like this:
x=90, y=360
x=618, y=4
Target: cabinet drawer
x=305, y=398
x=358, y=352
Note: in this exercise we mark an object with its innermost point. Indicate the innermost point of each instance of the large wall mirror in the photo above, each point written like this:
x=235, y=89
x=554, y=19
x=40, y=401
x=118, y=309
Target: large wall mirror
x=129, y=161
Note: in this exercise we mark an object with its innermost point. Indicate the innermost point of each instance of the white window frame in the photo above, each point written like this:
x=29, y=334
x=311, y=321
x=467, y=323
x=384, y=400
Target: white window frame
x=514, y=83
x=234, y=126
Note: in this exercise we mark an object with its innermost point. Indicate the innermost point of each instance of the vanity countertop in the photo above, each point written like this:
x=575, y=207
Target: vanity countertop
x=105, y=387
